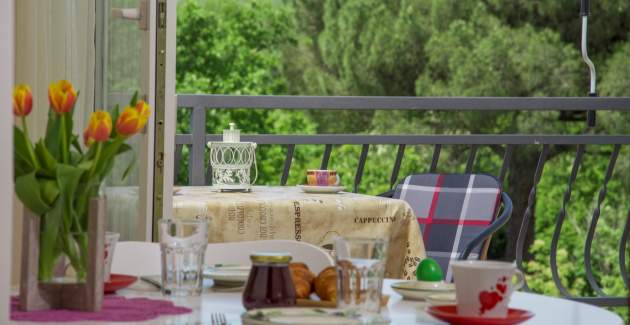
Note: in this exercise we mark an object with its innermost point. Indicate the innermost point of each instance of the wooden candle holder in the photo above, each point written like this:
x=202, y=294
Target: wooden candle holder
x=87, y=296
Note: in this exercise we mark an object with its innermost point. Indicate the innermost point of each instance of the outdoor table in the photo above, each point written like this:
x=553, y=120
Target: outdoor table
x=547, y=310
x=285, y=212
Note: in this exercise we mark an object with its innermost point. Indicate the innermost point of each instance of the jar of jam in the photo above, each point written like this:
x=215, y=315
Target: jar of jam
x=269, y=283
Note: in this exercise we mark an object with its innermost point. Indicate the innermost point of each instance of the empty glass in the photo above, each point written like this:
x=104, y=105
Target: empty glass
x=111, y=238
x=183, y=245
x=360, y=272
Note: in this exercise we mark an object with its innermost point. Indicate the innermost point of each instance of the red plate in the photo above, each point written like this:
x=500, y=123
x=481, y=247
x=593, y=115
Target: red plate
x=118, y=281
x=449, y=314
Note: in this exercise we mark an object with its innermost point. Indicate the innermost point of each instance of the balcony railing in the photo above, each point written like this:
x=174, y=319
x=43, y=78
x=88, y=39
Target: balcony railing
x=199, y=172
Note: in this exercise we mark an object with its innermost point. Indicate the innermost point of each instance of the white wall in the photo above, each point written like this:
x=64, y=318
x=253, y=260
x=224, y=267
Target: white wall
x=6, y=150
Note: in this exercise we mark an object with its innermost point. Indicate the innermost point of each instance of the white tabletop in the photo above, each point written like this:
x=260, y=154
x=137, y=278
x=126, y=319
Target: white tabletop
x=547, y=310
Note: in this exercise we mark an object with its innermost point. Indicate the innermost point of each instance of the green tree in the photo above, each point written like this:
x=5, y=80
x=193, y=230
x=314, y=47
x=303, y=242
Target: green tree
x=235, y=47
x=428, y=48
x=465, y=48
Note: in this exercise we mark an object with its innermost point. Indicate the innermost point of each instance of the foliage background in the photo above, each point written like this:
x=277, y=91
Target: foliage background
x=427, y=48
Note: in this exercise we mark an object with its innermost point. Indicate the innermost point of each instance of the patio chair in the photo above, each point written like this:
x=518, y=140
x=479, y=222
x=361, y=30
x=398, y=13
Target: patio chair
x=144, y=258
x=457, y=213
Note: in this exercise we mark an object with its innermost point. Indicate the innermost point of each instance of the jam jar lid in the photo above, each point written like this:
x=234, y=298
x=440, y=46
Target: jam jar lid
x=271, y=258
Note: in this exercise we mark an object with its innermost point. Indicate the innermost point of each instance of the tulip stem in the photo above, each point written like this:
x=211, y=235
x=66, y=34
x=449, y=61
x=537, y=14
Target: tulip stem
x=64, y=140
x=29, y=145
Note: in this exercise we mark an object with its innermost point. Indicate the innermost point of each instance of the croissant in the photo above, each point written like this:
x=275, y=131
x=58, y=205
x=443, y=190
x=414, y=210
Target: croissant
x=302, y=279
x=326, y=284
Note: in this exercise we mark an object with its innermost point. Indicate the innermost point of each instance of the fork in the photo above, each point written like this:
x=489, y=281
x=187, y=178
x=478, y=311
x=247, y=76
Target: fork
x=218, y=319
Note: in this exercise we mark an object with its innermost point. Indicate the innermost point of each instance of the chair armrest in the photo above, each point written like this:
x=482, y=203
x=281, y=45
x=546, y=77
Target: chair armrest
x=496, y=224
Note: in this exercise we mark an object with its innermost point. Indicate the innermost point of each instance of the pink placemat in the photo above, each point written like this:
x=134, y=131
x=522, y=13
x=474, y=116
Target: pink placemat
x=115, y=309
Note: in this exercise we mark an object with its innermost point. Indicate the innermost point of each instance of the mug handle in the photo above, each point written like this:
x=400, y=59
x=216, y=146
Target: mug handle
x=338, y=180
x=521, y=280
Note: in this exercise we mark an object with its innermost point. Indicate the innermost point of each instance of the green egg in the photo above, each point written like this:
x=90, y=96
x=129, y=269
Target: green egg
x=429, y=270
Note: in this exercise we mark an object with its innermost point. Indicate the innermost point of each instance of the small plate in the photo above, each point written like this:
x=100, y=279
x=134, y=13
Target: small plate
x=449, y=315
x=421, y=290
x=117, y=282
x=321, y=189
x=442, y=299
x=307, y=316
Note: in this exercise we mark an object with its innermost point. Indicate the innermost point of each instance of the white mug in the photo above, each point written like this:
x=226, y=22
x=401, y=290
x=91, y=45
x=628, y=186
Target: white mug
x=483, y=288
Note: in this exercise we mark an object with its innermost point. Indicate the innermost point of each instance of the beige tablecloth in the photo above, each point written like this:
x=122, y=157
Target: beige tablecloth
x=288, y=213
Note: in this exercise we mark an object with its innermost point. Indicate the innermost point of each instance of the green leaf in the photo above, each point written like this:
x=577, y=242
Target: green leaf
x=129, y=168
x=124, y=148
x=115, y=113
x=134, y=99
x=28, y=190
x=76, y=145
x=53, y=135
x=21, y=167
x=108, y=153
x=68, y=178
x=50, y=247
x=49, y=190
x=20, y=149
x=47, y=162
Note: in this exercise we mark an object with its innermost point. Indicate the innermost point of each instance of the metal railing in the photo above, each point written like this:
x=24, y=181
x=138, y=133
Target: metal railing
x=199, y=173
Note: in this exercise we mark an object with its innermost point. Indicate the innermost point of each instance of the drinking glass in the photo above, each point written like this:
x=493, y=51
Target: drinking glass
x=111, y=238
x=183, y=245
x=360, y=271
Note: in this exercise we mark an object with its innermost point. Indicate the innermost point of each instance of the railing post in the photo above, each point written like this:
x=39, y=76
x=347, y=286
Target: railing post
x=196, y=176
x=529, y=211
x=287, y=164
x=436, y=158
x=396, y=168
x=326, y=156
x=357, y=178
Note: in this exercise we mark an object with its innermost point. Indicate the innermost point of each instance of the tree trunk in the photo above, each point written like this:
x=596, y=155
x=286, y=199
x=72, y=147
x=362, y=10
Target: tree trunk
x=520, y=181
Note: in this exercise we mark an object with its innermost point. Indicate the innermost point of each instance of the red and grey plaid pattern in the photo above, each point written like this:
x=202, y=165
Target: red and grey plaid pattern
x=452, y=209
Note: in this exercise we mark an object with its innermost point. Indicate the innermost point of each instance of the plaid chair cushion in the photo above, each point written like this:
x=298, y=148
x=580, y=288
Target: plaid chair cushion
x=452, y=209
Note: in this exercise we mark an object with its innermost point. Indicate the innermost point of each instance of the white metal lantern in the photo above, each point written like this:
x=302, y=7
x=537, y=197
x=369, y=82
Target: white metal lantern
x=231, y=162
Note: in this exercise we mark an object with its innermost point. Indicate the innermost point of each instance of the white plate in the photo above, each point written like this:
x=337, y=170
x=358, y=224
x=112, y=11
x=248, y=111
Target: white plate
x=321, y=189
x=230, y=274
x=421, y=290
x=306, y=316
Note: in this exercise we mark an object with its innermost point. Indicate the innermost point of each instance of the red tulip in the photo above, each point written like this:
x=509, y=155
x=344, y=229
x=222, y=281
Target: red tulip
x=62, y=96
x=22, y=100
x=133, y=119
x=99, y=128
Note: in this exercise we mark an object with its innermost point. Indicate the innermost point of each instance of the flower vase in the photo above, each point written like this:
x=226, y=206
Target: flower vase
x=45, y=286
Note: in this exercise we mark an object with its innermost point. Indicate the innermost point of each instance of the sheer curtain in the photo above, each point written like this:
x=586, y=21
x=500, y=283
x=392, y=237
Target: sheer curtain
x=54, y=40
x=6, y=145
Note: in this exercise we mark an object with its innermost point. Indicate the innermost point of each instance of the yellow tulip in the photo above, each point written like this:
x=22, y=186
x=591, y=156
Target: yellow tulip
x=133, y=119
x=22, y=100
x=99, y=128
x=62, y=96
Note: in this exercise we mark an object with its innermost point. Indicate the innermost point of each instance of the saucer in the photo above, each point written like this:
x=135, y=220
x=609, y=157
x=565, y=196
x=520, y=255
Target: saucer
x=441, y=299
x=421, y=290
x=117, y=282
x=321, y=189
x=449, y=315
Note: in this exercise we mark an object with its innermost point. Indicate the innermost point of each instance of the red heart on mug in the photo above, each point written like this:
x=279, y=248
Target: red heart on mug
x=488, y=300
x=501, y=288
